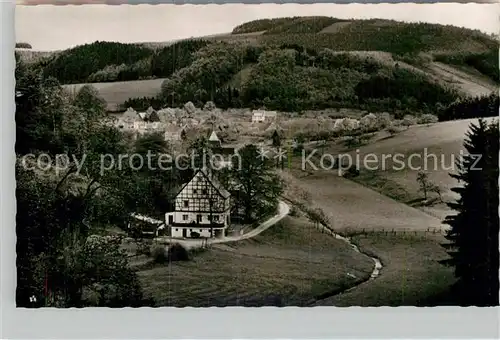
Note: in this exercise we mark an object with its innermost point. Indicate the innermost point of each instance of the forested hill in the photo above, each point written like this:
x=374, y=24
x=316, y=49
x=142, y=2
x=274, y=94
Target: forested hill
x=109, y=61
x=295, y=64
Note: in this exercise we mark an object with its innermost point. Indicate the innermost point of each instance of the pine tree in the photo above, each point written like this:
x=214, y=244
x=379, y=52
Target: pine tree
x=474, y=230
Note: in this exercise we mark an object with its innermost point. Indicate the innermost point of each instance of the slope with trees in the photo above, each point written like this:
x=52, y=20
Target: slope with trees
x=77, y=64
x=61, y=259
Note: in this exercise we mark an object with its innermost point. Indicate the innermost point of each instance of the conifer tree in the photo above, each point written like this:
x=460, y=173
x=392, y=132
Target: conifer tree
x=474, y=229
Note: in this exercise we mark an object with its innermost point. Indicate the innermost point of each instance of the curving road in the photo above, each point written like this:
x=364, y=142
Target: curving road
x=283, y=210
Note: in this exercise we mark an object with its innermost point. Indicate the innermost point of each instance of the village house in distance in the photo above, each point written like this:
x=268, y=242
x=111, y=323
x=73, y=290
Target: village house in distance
x=261, y=116
x=202, y=208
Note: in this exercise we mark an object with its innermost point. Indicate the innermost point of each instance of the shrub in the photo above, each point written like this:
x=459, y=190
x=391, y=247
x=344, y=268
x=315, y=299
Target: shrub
x=351, y=142
x=143, y=248
x=195, y=234
x=177, y=252
x=392, y=130
x=408, y=120
x=352, y=171
x=159, y=254
x=293, y=211
x=383, y=120
x=427, y=119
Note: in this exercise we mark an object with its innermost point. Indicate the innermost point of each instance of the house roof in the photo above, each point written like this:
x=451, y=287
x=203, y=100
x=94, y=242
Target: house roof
x=215, y=182
x=212, y=180
x=153, y=116
x=146, y=219
x=130, y=114
x=214, y=137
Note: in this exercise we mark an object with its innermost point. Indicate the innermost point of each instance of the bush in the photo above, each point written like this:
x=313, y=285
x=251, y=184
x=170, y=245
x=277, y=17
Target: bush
x=143, y=248
x=177, y=252
x=159, y=254
x=352, y=171
x=392, y=130
x=351, y=142
x=384, y=120
x=294, y=211
x=427, y=119
x=408, y=120
x=195, y=234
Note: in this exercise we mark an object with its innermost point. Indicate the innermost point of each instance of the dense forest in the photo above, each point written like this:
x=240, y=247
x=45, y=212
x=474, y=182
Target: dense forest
x=115, y=61
x=479, y=107
x=111, y=61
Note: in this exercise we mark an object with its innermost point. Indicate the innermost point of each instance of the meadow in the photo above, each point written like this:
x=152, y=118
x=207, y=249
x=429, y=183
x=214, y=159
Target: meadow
x=290, y=264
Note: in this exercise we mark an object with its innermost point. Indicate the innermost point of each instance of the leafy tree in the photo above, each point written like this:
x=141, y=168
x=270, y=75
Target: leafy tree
x=89, y=271
x=39, y=111
x=473, y=234
x=148, y=188
x=425, y=184
x=55, y=261
x=259, y=187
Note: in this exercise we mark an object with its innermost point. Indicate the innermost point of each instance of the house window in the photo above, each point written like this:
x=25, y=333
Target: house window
x=195, y=191
x=190, y=230
x=176, y=229
x=201, y=230
x=199, y=218
x=185, y=217
x=186, y=204
x=204, y=191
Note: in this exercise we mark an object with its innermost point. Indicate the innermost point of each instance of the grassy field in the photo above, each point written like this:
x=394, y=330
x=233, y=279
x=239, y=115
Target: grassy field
x=291, y=263
x=354, y=207
x=406, y=240
x=116, y=93
x=411, y=274
x=433, y=149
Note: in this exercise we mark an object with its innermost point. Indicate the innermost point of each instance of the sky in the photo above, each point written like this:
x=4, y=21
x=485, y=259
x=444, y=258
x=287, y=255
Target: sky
x=50, y=27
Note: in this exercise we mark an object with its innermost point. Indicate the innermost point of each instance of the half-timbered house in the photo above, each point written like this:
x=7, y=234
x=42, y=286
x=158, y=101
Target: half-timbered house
x=201, y=208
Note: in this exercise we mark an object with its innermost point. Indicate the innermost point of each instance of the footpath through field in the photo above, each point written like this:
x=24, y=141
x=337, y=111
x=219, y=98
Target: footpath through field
x=283, y=210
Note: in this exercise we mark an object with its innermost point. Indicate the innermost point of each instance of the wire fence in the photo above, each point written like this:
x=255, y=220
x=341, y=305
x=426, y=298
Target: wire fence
x=383, y=233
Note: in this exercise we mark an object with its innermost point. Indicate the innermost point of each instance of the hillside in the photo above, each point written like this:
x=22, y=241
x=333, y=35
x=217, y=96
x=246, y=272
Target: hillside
x=300, y=63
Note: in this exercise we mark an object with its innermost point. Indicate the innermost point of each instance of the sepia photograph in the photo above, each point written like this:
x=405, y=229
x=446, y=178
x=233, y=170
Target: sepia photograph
x=240, y=155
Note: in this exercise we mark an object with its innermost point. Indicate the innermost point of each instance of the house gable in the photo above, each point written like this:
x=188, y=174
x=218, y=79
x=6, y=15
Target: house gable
x=202, y=194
